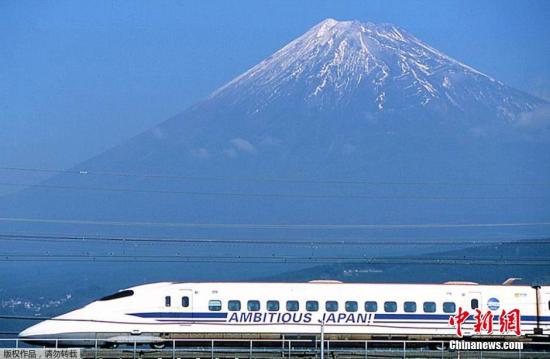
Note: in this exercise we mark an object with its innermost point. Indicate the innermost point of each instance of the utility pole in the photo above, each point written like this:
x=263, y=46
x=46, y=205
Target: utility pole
x=322, y=322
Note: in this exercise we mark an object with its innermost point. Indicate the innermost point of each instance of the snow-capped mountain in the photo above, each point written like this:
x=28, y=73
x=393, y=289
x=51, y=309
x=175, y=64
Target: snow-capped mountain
x=346, y=100
x=344, y=87
x=376, y=68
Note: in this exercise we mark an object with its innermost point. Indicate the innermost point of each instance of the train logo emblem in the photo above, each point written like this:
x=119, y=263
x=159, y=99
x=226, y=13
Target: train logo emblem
x=493, y=303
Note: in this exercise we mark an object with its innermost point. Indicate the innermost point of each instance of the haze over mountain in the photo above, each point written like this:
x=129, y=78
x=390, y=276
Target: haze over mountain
x=350, y=100
x=346, y=100
x=351, y=123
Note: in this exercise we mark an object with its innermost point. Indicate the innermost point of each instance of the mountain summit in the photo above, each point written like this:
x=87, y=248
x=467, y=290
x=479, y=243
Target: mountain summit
x=374, y=68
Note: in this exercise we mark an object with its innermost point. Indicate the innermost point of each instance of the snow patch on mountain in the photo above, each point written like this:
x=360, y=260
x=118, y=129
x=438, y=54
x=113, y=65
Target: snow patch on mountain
x=382, y=67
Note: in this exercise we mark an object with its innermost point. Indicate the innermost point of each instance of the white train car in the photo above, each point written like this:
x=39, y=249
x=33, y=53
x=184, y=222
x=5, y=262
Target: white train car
x=154, y=313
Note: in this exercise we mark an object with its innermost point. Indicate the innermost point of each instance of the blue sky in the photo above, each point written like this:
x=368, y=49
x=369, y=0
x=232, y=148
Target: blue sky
x=78, y=77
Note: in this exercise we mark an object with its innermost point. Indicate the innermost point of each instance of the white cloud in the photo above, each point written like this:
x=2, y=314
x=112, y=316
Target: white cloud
x=243, y=145
x=537, y=119
x=201, y=153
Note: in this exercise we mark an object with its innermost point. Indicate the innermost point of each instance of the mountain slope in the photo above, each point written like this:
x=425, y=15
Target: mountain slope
x=346, y=91
x=439, y=273
x=375, y=68
x=345, y=101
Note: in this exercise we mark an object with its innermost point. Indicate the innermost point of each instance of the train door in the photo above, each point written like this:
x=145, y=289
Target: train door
x=543, y=312
x=186, y=302
x=473, y=302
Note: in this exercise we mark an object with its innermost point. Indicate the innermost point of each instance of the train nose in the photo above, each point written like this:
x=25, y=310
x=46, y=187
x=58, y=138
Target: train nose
x=38, y=334
x=31, y=331
x=44, y=334
x=49, y=333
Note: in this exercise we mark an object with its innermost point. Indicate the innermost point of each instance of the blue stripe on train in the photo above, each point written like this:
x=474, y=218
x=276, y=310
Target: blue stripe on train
x=392, y=316
x=526, y=318
x=412, y=316
x=179, y=315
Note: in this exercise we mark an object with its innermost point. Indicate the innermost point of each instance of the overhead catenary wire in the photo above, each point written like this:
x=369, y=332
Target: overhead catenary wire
x=9, y=333
x=279, y=259
x=42, y=317
x=86, y=172
x=53, y=238
x=273, y=195
x=310, y=226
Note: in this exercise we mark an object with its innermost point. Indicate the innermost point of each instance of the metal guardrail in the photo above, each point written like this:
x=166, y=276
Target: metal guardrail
x=287, y=348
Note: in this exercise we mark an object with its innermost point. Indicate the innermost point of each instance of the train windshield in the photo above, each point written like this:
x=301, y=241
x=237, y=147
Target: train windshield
x=117, y=295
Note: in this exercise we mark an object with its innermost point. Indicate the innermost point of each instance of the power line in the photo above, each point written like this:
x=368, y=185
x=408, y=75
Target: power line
x=85, y=172
x=22, y=317
x=272, y=195
x=282, y=259
x=295, y=242
x=270, y=226
x=8, y=333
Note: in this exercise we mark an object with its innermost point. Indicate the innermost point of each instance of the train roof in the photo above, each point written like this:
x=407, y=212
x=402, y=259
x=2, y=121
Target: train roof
x=507, y=283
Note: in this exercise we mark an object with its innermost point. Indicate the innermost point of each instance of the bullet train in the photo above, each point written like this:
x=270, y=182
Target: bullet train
x=156, y=313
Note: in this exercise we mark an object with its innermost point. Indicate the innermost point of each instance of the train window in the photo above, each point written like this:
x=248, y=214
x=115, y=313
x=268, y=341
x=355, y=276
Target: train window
x=273, y=305
x=117, y=295
x=351, y=306
x=292, y=305
x=371, y=306
x=331, y=306
x=429, y=307
x=390, y=307
x=449, y=307
x=312, y=305
x=215, y=305
x=234, y=305
x=253, y=305
x=167, y=301
x=474, y=303
x=185, y=302
x=409, y=307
